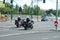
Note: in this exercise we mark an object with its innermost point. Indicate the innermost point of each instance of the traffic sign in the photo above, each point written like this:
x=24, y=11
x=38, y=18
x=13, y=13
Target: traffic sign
x=56, y=23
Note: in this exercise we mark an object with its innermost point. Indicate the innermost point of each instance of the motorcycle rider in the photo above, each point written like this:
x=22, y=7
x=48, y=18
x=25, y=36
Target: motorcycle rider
x=19, y=19
x=27, y=19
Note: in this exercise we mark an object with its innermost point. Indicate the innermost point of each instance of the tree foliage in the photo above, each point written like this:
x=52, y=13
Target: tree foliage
x=26, y=10
x=51, y=11
x=16, y=10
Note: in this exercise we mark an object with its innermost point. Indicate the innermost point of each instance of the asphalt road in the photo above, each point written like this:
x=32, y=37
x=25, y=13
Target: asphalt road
x=41, y=31
x=54, y=35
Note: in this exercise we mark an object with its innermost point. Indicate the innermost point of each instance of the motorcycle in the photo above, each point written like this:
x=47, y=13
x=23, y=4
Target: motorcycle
x=24, y=24
x=17, y=23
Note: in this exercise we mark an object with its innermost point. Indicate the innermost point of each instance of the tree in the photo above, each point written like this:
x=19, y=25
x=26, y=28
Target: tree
x=25, y=9
x=51, y=11
x=16, y=10
x=20, y=10
x=36, y=10
x=59, y=13
x=7, y=8
x=2, y=10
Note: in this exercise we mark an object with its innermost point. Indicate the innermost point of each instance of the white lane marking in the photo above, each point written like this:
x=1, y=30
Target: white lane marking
x=17, y=34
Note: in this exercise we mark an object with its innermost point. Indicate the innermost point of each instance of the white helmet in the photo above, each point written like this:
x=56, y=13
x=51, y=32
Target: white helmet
x=18, y=16
x=27, y=16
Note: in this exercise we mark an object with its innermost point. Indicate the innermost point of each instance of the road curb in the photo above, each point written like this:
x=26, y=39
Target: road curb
x=58, y=30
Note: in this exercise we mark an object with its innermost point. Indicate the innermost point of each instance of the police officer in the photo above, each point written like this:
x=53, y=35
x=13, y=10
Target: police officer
x=27, y=19
x=19, y=18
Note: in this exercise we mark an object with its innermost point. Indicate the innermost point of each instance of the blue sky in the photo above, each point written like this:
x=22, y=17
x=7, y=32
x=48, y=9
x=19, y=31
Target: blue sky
x=50, y=4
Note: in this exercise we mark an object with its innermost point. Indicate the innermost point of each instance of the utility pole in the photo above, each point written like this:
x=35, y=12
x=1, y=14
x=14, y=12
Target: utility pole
x=37, y=10
x=11, y=9
x=56, y=14
x=31, y=8
x=56, y=10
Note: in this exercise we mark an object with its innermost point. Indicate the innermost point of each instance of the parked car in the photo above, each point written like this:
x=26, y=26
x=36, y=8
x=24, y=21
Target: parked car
x=43, y=18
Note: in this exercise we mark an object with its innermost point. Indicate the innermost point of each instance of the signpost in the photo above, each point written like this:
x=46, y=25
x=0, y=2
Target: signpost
x=56, y=24
x=31, y=10
x=56, y=10
x=11, y=9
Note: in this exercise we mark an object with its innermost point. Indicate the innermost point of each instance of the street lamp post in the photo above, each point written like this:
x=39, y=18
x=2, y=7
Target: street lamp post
x=31, y=10
x=56, y=10
x=11, y=9
x=37, y=10
x=56, y=13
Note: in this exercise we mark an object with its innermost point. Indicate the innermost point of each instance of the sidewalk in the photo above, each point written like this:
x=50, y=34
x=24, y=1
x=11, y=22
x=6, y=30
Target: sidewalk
x=56, y=30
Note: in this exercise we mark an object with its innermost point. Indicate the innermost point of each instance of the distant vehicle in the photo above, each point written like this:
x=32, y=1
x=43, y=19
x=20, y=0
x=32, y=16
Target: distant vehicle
x=49, y=17
x=43, y=18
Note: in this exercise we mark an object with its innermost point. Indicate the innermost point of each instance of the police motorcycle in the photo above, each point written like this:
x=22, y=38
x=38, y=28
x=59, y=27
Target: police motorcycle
x=18, y=22
x=26, y=23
